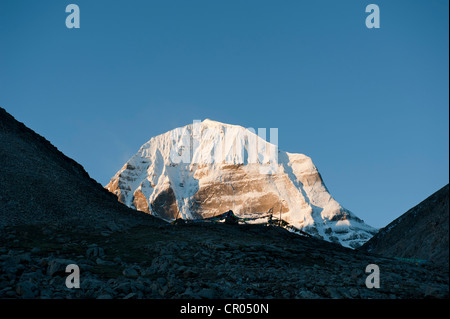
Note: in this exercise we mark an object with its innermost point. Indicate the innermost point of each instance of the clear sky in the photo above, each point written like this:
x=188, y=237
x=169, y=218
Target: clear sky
x=369, y=106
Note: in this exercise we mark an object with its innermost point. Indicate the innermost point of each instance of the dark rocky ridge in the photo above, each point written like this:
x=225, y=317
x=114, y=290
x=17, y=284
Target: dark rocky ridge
x=38, y=183
x=420, y=233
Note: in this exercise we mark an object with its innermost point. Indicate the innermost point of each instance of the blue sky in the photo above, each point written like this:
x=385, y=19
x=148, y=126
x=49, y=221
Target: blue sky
x=369, y=106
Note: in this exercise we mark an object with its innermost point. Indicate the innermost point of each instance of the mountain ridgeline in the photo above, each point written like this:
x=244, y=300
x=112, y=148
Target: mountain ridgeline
x=39, y=184
x=420, y=233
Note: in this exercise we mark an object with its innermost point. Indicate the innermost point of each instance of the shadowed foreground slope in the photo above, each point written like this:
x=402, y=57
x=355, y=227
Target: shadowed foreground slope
x=38, y=183
x=200, y=261
x=420, y=233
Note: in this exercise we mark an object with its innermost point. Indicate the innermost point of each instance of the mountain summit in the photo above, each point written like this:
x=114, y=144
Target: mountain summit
x=206, y=168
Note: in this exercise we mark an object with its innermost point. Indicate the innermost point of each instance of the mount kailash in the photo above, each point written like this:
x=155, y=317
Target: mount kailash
x=206, y=168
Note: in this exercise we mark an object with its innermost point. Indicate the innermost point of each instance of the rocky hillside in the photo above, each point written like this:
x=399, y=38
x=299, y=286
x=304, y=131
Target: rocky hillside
x=206, y=168
x=39, y=184
x=197, y=261
x=420, y=233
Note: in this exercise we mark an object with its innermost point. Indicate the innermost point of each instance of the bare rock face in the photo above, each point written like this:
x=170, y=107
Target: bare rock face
x=420, y=233
x=207, y=168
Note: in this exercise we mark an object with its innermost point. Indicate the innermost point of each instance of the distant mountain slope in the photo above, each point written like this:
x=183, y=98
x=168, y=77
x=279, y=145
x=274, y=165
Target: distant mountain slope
x=39, y=184
x=206, y=168
x=420, y=233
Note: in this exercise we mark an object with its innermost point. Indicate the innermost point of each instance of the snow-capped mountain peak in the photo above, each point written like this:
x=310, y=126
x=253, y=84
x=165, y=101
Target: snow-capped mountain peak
x=206, y=168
